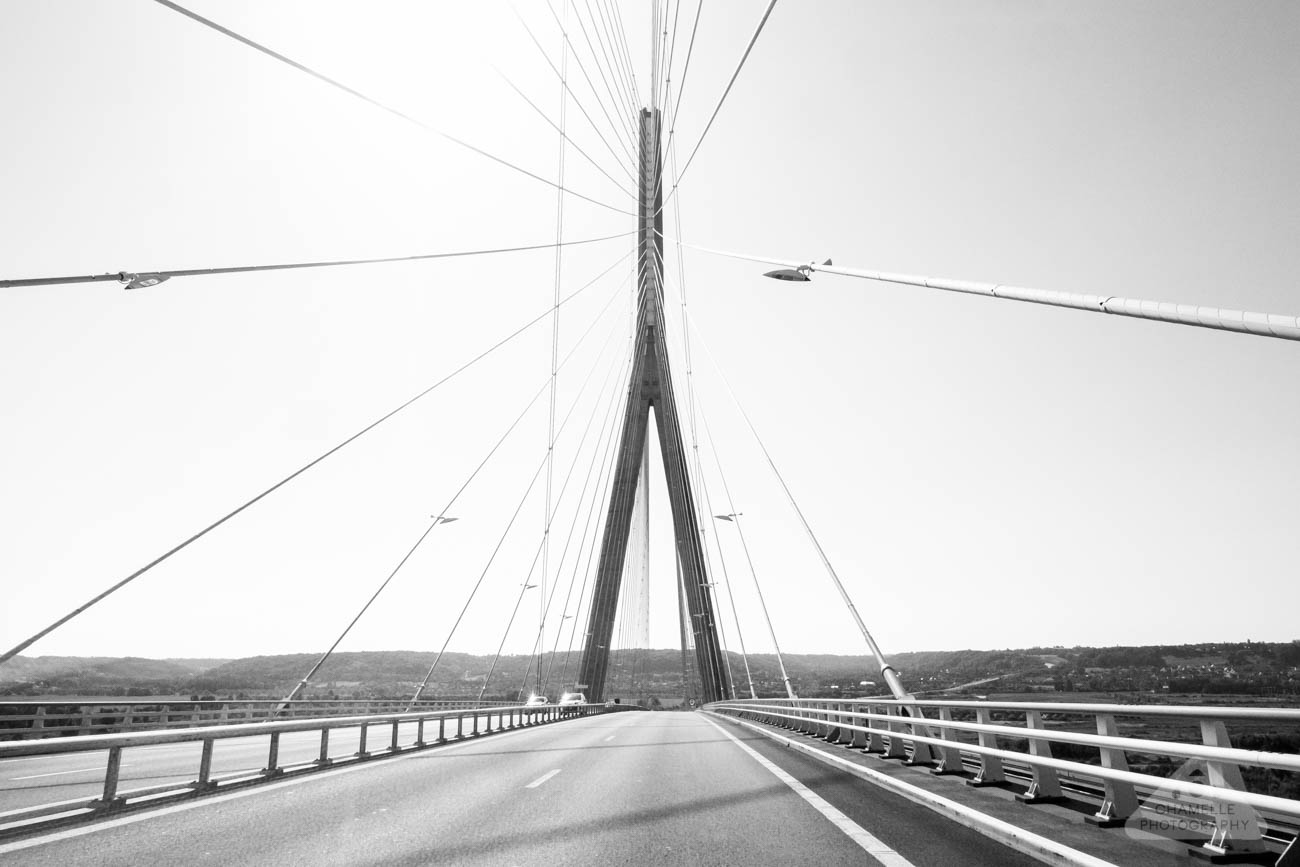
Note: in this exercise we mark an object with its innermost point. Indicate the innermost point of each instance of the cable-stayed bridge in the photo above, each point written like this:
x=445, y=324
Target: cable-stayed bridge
x=896, y=779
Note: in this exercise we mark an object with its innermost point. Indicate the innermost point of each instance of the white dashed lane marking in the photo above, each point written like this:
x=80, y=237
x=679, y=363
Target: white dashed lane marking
x=543, y=778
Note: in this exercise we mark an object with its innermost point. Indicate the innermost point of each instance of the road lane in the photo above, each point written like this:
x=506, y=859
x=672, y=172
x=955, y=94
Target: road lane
x=630, y=788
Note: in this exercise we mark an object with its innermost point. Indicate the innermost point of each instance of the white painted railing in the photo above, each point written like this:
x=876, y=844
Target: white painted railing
x=450, y=725
x=947, y=734
x=43, y=719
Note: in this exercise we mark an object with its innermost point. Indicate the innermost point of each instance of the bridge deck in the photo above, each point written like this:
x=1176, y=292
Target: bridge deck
x=621, y=788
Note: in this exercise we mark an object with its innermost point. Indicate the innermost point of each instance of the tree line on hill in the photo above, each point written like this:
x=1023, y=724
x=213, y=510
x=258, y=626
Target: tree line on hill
x=1244, y=668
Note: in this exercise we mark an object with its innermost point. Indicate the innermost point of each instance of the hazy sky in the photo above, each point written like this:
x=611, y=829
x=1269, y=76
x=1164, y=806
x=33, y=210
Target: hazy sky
x=982, y=473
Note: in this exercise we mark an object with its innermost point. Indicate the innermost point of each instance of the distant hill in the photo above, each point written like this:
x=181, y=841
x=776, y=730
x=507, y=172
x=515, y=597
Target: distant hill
x=1244, y=668
x=97, y=674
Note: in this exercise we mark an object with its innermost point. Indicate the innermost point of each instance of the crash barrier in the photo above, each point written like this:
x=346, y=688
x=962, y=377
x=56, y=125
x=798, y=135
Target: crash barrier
x=427, y=728
x=43, y=719
x=1192, y=789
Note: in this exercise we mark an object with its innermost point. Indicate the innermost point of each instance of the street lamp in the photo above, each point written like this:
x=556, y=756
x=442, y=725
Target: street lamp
x=142, y=281
x=730, y=516
x=443, y=519
x=802, y=274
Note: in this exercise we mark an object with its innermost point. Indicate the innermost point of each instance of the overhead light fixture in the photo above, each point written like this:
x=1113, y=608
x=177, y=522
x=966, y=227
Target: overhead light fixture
x=443, y=519
x=142, y=281
x=802, y=274
x=799, y=275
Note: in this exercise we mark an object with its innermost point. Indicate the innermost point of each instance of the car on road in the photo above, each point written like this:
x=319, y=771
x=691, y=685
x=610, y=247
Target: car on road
x=572, y=698
x=536, y=701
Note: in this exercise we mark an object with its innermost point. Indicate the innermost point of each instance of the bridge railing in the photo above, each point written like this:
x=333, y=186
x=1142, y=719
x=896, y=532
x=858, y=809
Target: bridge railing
x=43, y=719
x=1207, y=793
x=430, y=728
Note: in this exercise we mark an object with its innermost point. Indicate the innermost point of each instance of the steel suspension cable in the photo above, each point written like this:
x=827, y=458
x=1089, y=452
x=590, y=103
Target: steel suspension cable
x=701, y=492
x=542, y=545
x=616, y=93
x=438, y=518
x=538, y=644
x=681, y=87
x=563, y=489
x=160, y=275
x=423, y=684
x=622, y=129
x=748, y=48
x=665, y=62
x=596, y=459
x=617, y=18
x=377, y=104
x=606, y=475
x=577, y=147
x=590, y=120
x=21, y=646
x=555, y=332
x=672, y=49
x=887, y=671
x=726, y=580
x=618, y=66
x=474, y=592
x=735, y=519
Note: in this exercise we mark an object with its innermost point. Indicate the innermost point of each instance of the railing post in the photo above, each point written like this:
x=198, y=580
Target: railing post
x=419, y=733
x=896, y=728
x=1236, y=825
x=205, y=766
x=84, y=727
x=921, y=754
x=949, y=757
x=858, y=739
x=442, y=729
x=460, y=726
x=474, y=732
x=362, y=753
x=39, y=722
x=392, y=745
x=875, y=741
x=832, y=727
x=1046, y=784
x=273, y=768
x=109, y=798
x=1121, y=798
x=324, y=758
x=990, y=773
x=128, y=718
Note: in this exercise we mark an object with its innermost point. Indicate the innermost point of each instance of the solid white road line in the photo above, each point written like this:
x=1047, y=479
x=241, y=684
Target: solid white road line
x=543, y=778
x=870, y=843
x=1012, y=836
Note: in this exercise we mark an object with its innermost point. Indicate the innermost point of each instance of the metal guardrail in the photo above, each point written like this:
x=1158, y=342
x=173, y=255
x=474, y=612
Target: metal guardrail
x=927, y=732
x=43, y=719
x=452, y=725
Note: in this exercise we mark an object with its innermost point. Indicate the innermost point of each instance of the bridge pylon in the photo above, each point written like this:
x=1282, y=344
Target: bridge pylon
x=651, y=387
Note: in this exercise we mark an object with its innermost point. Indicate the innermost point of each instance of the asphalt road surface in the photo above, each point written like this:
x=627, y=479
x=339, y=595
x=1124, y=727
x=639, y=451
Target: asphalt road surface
x=623, y=788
